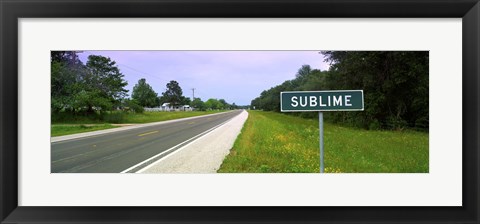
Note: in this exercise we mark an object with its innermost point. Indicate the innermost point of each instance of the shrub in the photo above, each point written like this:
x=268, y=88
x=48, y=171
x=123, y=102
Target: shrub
x=114, y=117
x=375, y=125
x=396, y=123
x=133, y=105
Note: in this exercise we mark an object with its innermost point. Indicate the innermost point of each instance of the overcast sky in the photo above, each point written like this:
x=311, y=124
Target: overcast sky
x=236, y=76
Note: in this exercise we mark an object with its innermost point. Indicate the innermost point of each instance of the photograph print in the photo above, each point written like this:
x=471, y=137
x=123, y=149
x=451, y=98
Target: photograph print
x=202, y=112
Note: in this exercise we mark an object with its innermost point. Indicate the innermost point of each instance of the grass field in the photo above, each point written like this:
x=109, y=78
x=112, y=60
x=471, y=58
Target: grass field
x=277, y=143
x=67, y=124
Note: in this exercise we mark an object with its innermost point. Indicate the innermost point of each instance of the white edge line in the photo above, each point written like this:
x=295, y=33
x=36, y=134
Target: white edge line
x=203, y=134
x=183, y=147
x=170, y=149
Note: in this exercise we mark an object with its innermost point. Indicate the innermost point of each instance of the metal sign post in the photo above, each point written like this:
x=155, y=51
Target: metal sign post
x=333, y=100
x=320, y=126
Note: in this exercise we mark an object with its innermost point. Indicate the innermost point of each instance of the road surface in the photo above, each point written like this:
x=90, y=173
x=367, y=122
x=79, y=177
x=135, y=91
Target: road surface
x=129, y=150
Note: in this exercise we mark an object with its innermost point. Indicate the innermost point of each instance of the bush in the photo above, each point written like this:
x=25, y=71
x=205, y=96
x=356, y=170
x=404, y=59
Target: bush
x=133, y=105
x=136, y=108
x=114, y=117
x=396, y=123
x=70, y=117
x=375, y=125
x=421, y=124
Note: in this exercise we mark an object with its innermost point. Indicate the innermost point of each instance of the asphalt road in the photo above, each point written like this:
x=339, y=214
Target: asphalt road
x=119, y=151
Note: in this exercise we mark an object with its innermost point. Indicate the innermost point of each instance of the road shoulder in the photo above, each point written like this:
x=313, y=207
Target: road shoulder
x=204, y=155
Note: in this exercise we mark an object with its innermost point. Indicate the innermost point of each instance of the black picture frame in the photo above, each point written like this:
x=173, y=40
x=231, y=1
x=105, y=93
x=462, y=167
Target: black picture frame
x=12, y=10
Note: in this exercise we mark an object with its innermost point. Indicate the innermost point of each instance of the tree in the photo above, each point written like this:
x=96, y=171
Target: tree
x=213, y=104
x=395, y=88
x=103, y=84
x=224, y=104
x=198, y=104
x=66, y=57
x=132, y=105
x=107, y=77
x=395, y=85
x=62, y=84
x=303, y=72
x=173, y=94
x=76, y=87
x=186, y=100
x=66, y=70
x=144, y=94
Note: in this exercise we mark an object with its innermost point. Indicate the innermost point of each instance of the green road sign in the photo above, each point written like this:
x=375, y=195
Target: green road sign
x=335, y=100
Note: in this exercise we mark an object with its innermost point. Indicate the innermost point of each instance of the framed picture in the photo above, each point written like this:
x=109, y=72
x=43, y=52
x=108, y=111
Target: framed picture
x=432, y=42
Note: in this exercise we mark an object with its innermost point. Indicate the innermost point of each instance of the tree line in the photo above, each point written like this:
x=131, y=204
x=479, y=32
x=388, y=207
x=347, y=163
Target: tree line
x=98, y=86
x=395, y=86
x=144, y=95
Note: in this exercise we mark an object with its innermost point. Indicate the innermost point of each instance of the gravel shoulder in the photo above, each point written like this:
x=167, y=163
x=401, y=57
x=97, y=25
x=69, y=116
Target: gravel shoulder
x=204, y=155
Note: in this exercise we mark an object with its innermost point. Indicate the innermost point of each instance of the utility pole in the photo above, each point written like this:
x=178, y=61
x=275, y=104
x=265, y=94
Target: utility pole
x=193, y=93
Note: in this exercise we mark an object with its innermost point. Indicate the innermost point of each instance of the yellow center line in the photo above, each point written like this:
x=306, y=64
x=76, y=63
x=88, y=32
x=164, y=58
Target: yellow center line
x=152, y=132
x=192, y=122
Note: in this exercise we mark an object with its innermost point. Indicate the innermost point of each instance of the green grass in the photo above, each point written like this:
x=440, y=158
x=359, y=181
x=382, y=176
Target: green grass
x=58, y=130
x=277, y=143
x=66, y=124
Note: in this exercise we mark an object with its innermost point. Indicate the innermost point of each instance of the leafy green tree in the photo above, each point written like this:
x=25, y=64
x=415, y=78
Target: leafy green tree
x=223, y=104
x=68, y=58
x=209, y=104
x=132, y=105
x=144, y=94
x=63, y=80
x=173, y=94
x=91, y=99
x=66, y=73
x=395, y=88
x=158, y=101
x=76, y=87
x=303, y=73
x=395, y=85
x=213, y=104
x=218, y=105
x=106, y=77
x=198, y=104
x=162, y=100
x=186, y=100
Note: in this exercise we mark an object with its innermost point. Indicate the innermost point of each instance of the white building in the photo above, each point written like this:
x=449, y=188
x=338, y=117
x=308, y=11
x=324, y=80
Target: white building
x=167, y=107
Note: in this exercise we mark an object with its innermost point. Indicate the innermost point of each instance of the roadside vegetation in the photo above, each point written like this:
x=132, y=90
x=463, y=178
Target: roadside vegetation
x=277, y=143
x=91, y=96
x=395, y=86
x=98, y=86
